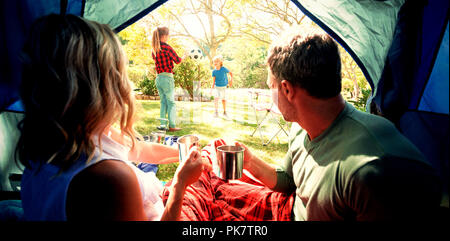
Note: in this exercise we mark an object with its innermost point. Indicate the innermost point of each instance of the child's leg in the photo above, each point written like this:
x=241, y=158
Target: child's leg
x=216, y=104
x=216, y=101
x=224, y=102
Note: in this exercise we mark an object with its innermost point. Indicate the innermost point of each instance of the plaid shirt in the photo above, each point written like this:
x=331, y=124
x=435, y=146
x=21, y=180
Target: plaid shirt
x=246, y=199
x=165, y=58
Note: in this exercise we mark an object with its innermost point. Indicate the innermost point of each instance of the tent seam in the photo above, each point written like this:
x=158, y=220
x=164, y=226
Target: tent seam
x=139, y=15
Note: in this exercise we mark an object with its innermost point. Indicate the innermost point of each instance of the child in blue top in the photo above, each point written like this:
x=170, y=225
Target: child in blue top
x=220, y=83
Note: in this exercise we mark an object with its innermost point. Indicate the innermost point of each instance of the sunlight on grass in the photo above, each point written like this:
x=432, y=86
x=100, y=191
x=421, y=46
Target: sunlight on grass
x=197, y=118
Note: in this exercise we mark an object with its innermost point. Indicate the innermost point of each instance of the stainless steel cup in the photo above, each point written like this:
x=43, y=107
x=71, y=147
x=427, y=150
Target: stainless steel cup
x=185, y=143
x=230, y=162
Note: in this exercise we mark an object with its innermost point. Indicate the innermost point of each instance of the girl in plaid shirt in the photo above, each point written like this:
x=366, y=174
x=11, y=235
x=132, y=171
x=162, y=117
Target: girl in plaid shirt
x=165, y=56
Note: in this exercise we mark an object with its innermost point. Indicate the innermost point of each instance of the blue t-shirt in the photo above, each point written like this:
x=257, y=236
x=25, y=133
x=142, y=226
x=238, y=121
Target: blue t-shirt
x=221, y=76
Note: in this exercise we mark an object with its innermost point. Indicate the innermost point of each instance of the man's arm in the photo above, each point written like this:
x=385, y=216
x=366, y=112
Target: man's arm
x=273, y=177
x=262, y=170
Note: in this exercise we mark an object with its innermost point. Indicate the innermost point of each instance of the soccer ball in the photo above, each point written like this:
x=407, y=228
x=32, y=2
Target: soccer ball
x=195, y=54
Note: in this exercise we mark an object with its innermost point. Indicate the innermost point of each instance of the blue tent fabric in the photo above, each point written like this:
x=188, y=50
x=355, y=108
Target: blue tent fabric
x=16, y=19
x=17, y=106
x=413, y=91
x=435, y=19
x=436, y=94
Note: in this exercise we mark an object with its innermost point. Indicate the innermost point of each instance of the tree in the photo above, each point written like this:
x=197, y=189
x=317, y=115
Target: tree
x=266, y=19
x=245, y=58
x=353, y=80
x=214, y=18
x=138, y=51
x=190, y=75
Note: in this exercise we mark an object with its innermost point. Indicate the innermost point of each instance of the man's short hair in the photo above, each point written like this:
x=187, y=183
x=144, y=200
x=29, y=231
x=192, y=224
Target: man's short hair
x=308, y=58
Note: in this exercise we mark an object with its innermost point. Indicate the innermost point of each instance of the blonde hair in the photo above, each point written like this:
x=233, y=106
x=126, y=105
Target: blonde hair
x=158, y=32
x=74, y=86
x=218, y=58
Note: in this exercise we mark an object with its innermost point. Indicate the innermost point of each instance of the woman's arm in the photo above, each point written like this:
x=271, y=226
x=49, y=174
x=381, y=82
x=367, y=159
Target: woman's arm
x=187, y=173
x=153, y=153
x=145, y=151
x=174, y=203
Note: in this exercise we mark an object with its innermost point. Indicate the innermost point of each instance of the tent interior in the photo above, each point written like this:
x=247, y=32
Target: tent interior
x=401, y=46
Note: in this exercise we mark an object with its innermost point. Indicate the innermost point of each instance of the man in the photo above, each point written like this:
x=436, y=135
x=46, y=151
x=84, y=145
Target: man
x=343, y=164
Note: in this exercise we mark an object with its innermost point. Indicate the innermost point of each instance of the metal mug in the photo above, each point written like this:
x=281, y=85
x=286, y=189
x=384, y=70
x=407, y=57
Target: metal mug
x=230, y=162
x=185, y=143
x=157, y=136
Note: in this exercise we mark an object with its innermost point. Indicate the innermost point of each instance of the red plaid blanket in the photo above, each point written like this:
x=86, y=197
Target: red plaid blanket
x=246, y=199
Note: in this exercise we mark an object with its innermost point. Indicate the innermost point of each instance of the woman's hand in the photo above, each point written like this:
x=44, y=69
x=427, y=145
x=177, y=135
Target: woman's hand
x=187, y=173
x=190, y=169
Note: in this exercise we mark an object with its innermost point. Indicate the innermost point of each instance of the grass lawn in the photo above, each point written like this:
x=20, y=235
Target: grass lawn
x=198, y=118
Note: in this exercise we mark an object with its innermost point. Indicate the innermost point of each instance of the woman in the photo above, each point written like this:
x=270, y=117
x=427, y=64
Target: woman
x=74, y=88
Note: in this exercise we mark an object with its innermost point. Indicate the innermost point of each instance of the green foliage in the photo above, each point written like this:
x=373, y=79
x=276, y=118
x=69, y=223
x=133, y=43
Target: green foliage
x=256, y=74
x=188, y=72
x=360, y=104
x=136, y=73
x=247, y=62
x=148, y=85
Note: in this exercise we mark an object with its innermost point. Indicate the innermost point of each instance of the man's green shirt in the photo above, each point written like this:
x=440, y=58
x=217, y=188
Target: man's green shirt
x=360, y=168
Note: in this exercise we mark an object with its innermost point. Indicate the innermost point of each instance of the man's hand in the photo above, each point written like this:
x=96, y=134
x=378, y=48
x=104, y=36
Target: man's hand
x=260, y=169
x=248, y=156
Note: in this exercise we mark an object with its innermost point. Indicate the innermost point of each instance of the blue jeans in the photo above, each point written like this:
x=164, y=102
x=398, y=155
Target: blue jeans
x=165, y=85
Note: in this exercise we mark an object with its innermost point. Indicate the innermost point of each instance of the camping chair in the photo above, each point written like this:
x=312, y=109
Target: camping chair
x=258, y=103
